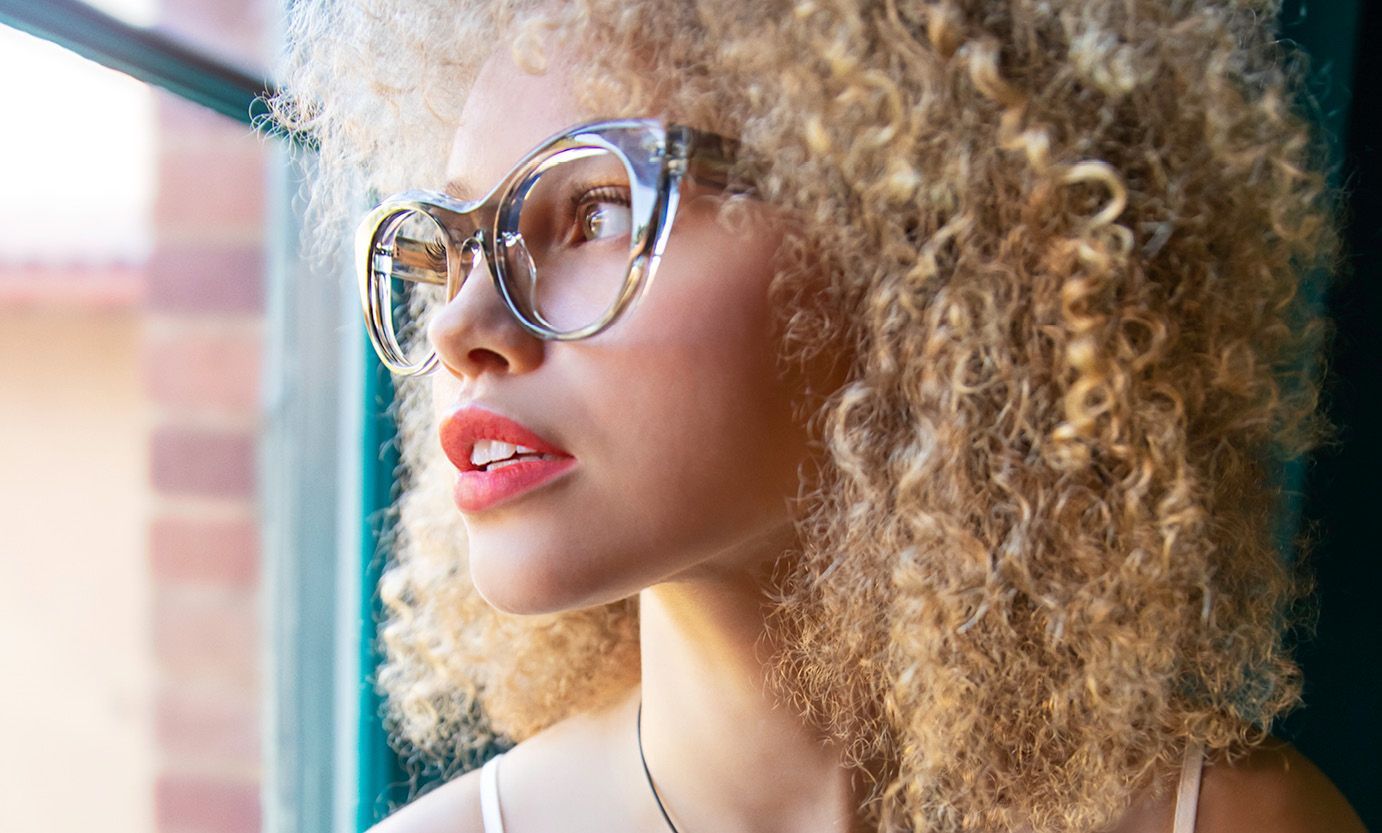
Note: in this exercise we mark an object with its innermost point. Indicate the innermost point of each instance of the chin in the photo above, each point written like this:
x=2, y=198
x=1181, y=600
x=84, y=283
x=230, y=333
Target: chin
x=536, y=584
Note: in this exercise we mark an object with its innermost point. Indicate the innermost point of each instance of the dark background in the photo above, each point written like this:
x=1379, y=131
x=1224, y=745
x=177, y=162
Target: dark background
x=1340, y=725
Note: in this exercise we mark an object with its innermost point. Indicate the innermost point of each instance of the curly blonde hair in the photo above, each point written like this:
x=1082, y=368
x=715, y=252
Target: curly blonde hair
x=1062, y=243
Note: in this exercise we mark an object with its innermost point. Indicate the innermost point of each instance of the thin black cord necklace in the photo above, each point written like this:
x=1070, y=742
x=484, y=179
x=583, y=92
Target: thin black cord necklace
x=639, y=722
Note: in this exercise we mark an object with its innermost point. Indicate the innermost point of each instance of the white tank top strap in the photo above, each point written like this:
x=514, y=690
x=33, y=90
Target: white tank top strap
x=489, y=795
x=1188, y=793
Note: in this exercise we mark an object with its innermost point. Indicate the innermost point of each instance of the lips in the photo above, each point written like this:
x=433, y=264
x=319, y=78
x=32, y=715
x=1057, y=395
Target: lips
x=464, y=426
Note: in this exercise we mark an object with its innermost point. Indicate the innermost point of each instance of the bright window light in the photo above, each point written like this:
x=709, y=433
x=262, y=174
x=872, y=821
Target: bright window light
x=76, y=153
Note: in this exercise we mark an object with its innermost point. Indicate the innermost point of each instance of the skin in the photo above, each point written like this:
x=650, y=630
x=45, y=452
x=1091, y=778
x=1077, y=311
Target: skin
x=688, y=456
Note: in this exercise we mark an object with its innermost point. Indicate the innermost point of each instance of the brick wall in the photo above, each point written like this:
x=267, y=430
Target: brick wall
x=202, y=356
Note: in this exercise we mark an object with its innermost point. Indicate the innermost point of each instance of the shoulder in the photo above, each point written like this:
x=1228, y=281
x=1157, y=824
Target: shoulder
x=549, y=781
x=1272, y=789
x=453, y=807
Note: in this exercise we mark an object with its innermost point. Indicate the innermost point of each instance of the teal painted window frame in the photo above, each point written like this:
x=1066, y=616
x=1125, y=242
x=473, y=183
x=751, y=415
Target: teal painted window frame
x=382, y=782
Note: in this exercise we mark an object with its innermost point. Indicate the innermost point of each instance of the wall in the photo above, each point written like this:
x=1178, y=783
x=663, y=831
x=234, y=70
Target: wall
x=201, y=360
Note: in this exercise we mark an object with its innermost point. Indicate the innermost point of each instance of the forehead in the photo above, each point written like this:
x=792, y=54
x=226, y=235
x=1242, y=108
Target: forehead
x=507, y=113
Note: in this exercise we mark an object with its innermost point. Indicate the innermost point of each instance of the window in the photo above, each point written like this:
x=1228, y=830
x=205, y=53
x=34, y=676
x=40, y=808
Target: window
x=184, y=440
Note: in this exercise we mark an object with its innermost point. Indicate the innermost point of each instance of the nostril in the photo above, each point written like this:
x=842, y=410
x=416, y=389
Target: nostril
x=482, y=358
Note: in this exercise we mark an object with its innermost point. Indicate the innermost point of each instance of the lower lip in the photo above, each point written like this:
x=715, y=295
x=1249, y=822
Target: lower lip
x=478, y=490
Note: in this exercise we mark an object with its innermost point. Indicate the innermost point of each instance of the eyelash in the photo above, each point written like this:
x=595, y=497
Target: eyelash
x=591, y=192
x=603, y=193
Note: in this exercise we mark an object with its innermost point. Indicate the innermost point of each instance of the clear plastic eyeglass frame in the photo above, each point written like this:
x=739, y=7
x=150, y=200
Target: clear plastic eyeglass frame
x=657, y=157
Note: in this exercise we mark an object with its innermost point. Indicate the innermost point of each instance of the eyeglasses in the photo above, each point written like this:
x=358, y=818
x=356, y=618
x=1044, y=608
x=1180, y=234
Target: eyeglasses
x=572, y=235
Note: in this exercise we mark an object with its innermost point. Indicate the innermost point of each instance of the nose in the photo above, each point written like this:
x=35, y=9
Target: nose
x=475, y=331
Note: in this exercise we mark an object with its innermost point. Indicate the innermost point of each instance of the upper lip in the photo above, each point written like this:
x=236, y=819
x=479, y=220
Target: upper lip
x=463, y=426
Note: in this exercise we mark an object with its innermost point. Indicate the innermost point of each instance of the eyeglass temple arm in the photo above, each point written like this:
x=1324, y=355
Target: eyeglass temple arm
x=711, y=159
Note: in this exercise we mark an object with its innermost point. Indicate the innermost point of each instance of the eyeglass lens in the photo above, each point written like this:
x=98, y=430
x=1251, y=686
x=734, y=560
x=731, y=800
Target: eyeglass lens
x=564, y=243
x=410, y=254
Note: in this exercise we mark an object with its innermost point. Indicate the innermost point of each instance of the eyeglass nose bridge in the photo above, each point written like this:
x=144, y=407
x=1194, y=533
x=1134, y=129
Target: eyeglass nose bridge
x=466, y=249
x=478, y=242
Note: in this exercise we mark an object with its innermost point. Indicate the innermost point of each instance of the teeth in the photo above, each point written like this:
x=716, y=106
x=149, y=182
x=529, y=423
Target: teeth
x=488, y=451
x=502, y=463
x=516, y=460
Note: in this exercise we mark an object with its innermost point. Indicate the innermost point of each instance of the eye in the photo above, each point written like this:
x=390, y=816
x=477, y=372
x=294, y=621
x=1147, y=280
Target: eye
x=602, y=214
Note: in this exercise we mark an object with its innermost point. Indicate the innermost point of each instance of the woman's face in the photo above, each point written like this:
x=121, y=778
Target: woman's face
x=685, y=443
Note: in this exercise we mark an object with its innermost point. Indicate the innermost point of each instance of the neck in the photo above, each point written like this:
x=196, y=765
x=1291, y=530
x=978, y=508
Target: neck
x=723, y=753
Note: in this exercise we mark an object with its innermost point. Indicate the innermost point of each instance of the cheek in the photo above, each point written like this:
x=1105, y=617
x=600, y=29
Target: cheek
x=688, y=443
x=703, y=439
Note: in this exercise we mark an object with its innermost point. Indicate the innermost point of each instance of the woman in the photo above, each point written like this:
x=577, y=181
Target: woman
x=930, y=486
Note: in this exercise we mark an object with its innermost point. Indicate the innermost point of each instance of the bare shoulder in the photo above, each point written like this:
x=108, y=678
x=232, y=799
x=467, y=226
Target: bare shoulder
x=453, y=807
x=545, y=782
x=1272, y=789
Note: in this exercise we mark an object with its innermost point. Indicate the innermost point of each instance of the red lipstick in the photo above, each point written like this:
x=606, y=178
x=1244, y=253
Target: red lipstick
x=476, y=488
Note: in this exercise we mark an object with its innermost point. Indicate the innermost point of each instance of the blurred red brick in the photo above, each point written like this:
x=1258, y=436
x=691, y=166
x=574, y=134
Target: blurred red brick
x=204, y=462
x=109, y=285
x=232, y=31
x=212, y=191
x=224, y=552
x=205, y=370
x=183, y=120
x=205, y=287
x=200, y=279
x=182, y=123
x=209, y=733
x=186, y=803
x=207, y=639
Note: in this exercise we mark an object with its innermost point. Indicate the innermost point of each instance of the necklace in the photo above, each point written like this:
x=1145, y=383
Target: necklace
x=663, y=810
